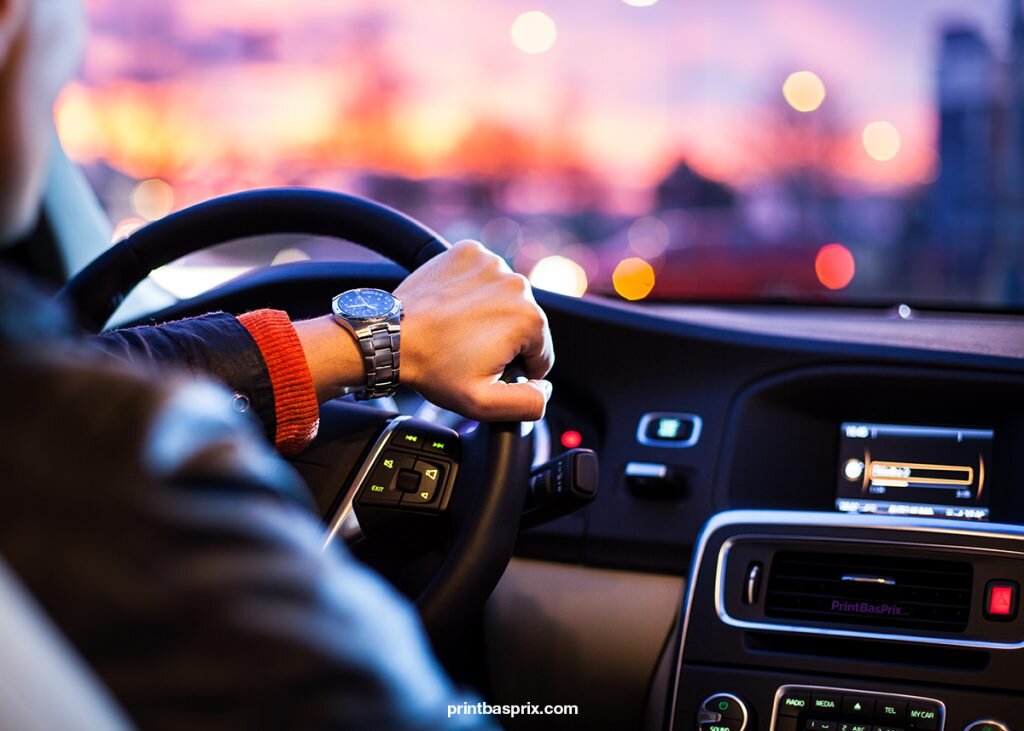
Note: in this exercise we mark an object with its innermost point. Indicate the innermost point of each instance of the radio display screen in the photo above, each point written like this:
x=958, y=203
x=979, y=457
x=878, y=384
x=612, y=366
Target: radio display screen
x=927, y=471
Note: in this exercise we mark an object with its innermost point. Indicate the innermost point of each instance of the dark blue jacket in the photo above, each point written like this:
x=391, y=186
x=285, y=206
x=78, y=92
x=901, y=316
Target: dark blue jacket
x=177, y=552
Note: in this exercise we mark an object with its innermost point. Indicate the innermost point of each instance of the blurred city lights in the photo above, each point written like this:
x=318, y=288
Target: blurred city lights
x=648, y=237
x=804, y=91
x=633, y=278
x=834, y=266
x=534, y=32
x=126, y=228
x=153, y=199
x=881, y=140
x=640, y=3
x=559, y=274
x=501, y=235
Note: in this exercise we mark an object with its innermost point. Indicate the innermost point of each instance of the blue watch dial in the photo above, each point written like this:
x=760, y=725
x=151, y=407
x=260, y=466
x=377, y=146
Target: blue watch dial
x=365, y=304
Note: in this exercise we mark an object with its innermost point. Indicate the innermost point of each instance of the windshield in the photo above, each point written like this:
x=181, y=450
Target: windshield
x=809, y=150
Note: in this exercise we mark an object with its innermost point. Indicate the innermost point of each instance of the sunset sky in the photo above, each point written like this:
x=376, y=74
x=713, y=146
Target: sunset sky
x=213, y=96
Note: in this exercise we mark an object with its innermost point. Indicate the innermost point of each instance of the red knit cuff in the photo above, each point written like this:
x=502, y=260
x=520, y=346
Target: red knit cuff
x=296, y=409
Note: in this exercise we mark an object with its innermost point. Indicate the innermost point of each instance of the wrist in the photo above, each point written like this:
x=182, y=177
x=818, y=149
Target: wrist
x=332, y=355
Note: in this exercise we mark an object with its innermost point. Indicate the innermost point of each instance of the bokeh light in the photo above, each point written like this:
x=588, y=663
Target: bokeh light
x=126, y=228
x=640, y=3
x=648, y=237
x=804, y=91
x=534, y=32
x=559, y=274
x=881, y=140
x=834, y=266
x=153, y=199
x=633, y=278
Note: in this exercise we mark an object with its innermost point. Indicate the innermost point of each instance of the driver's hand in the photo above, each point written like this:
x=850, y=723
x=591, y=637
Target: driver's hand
x=467, y=316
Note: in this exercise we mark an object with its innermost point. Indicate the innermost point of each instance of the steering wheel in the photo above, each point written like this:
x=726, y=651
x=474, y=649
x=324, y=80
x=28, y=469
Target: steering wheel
x=467, y=529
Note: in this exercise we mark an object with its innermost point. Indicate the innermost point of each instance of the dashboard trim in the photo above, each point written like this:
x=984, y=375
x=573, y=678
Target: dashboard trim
x=799, y=687
x=814, y=519
x=725, y=617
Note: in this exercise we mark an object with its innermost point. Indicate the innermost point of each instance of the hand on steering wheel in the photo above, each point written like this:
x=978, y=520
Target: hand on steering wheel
x=480, y=504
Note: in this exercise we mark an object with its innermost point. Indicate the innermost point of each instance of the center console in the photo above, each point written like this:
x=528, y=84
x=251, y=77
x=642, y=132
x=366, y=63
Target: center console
x=859, y=621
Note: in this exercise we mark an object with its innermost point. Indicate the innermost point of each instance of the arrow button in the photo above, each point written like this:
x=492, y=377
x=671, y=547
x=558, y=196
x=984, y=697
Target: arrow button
x=431, y=483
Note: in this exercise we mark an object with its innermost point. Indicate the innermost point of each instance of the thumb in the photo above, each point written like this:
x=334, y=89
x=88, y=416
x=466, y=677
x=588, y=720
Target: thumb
x=522, y=401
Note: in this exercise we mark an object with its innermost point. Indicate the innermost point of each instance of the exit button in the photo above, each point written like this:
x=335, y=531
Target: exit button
x=1001, y=600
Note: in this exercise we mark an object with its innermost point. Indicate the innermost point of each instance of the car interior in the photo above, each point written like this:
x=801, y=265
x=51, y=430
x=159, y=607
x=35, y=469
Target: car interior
x=772, y=491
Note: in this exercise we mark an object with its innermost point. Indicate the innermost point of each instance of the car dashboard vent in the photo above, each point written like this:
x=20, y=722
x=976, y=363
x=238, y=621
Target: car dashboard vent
x=880, y=591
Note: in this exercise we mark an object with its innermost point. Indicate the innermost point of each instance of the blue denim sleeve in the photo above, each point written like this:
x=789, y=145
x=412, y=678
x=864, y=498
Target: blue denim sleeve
x=215, y=346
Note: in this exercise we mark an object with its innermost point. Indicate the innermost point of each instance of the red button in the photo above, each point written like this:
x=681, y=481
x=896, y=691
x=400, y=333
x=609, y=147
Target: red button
x=1001, y=600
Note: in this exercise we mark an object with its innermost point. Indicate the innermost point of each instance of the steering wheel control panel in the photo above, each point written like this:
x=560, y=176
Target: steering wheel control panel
x=816, y=708
x=414, y=469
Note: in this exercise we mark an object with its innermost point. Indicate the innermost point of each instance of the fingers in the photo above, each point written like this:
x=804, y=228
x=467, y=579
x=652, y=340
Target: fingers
x=524, y=401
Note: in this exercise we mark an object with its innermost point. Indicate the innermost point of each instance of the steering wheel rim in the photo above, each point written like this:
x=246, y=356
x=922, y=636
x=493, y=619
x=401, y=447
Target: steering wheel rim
x=99, y=289
x=482, y=548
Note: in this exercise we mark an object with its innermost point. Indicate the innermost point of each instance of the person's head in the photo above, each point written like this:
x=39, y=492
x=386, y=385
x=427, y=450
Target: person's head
x=40, y=45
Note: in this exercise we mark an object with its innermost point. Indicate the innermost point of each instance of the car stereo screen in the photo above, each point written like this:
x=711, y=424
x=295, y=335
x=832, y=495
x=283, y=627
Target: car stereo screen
x=936, y=472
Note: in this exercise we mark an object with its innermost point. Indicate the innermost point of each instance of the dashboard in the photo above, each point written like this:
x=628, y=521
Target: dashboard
x=737, y=443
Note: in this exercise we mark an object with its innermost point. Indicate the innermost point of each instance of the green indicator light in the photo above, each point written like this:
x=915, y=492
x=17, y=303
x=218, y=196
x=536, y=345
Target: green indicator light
x=669, y=428
x=723, y=705
x=411, y=438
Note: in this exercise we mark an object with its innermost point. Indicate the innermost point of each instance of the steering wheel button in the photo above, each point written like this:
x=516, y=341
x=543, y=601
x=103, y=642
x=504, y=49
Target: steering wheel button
x=442, y=444
x=408, y=481
x=409, y=438
x=381, y=488
x=431, y=476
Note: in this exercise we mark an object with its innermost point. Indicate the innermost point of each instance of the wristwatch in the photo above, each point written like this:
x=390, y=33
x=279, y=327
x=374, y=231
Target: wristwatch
x=374, y=318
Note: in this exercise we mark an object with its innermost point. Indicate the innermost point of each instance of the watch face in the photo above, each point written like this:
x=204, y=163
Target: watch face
x=365, y=304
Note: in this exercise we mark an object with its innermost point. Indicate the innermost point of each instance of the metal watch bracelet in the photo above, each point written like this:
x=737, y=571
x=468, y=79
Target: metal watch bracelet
x=379, y=349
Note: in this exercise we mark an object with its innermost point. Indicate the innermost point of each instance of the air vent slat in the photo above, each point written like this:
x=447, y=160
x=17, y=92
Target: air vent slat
x=887, y=591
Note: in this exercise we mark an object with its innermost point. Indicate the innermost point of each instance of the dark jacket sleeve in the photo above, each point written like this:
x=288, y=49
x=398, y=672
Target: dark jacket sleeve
x=215, y=346
x=179, y=555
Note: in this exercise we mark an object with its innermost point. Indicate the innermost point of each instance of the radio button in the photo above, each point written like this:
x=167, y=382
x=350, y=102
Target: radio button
x=826, y=702
x=791, y=704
